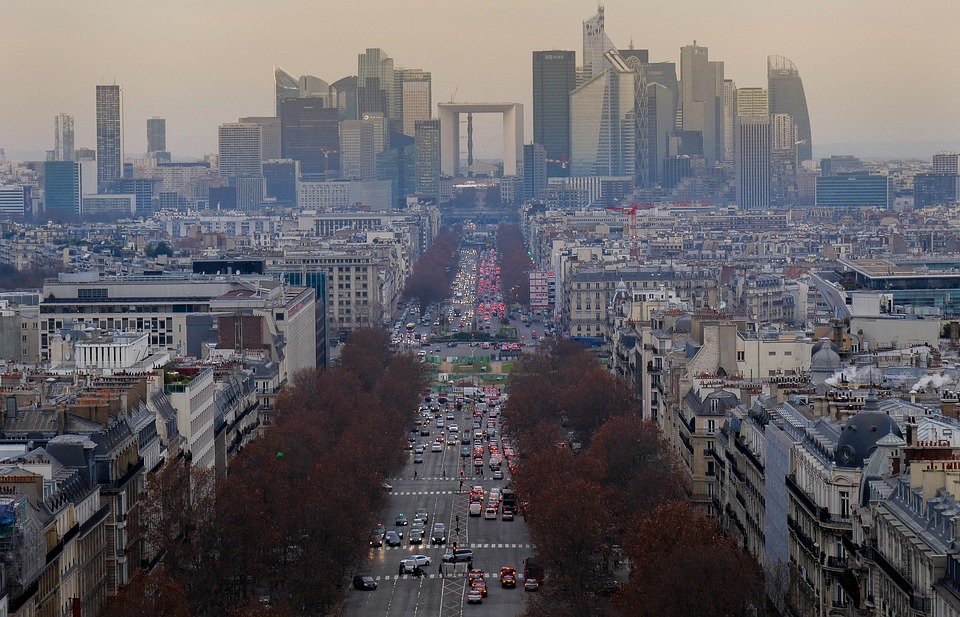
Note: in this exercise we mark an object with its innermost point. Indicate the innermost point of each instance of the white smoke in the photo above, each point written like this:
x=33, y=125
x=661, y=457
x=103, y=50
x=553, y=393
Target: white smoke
x=854, y=374
x=931, y=381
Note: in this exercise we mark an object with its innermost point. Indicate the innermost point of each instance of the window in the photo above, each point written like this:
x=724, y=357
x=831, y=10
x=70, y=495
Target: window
x=712, y=424
x=844, y=504
x=741, y=356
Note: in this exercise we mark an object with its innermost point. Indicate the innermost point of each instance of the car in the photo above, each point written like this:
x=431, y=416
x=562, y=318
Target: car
x=439, y=535
x=420, y=560
x=497, y=474
x=376, y=540
x=507, y=571
x=531, y=584
x=459, y=555
x=506, y=515
x=418, y=459
x=386, y=486
x=401, y=520
x=476, y=509
x=465, y=452
x=436, y=447
x=474, y=597
x=490, y=514
x=451, y=344
x=424, y=432
x=364, y=583
x=393, y=538
x=481, y=586
x=416, y=536
x=418, y=450
x=474, y=575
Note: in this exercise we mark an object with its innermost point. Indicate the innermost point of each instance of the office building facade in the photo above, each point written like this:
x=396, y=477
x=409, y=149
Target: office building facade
x=414, y=96
x=787, y=97
x=239, y=151
x=281, y=177
x=752, y=161
x=109, y=137
x=310, y=133
x=946, y=163
x=857, y=189
x=554, y=78
x=534, y=170
x=376, y=91
x=701, y=99
x=62, y=189
x=156, y=135
x=361, y=141
x=63, y=140
x=12, y=200
x=603, y=127
x=269, y=135
x=427, y=160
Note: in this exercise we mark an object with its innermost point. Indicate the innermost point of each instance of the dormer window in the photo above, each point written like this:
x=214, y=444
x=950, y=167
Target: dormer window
x=714, y=404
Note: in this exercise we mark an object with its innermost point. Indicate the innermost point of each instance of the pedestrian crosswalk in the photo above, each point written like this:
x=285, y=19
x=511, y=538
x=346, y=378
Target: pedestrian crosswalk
x=424, y=492
x=403, y=577
x=426, y=547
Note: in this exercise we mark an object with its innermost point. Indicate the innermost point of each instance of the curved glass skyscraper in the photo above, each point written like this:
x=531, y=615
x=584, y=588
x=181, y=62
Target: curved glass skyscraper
x=786, y=97
x=288, y=87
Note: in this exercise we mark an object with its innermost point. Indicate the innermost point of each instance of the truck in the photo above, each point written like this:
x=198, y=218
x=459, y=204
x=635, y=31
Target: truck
x=508, y=497
x=532, y=569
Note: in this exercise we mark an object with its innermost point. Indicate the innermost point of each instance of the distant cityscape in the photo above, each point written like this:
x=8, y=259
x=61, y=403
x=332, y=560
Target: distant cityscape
x=790, y=322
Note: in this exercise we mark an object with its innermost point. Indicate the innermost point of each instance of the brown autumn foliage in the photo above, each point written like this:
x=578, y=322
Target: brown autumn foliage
x=515, y=264
x=283, y=531
x=435, y=270
x=678, y=544
x=154, y=594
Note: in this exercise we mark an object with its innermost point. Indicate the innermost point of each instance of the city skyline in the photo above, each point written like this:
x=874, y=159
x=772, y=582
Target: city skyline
x=846, y=68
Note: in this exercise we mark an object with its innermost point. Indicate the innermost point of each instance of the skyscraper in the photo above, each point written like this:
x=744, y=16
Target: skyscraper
x=281, y=177
x=239, y=149
x=787, y=97
x=427, y=159
x=414, y=98
x=360, y=143
x=63, y=138
x=752, y=102
x=603, y=124
x=701, y=99
x=596, y=44
x=661, y=115
x=554, y=78
x=109, y=137
x=375, y=84
x=62, y=188
x=784, y=165
x=309, y=133
x=269, y=135
x=946, y=163
x=156, y=135
x=290, y=87
x=534, y=170
x=729, y=112
x=752, y=161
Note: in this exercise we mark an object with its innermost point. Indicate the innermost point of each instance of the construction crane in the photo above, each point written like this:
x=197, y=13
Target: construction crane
x=631, y=211
x=326, y=160
x=563, y=161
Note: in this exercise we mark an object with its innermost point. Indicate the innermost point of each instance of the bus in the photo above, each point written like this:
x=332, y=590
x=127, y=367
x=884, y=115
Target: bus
x=411, y=326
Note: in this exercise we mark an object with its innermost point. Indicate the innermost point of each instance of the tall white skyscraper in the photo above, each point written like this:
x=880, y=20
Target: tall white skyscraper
x=752, y=102
x=376, y=90
x=729, y=111
x=63, y=147
x=109, y=137
x=596, y=44
x=360, y=143
x=239, y=151
x=752, y=161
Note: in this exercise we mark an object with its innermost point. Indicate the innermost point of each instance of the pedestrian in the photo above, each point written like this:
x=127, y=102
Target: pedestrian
x=440, y=569
x=444, y=473
x=414, y=475
x=401, y=569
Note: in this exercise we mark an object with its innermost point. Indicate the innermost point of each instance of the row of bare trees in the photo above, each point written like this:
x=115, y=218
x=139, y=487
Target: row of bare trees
x=435, y=270
x=626, y=488
x=515, y=264
x=284, y=531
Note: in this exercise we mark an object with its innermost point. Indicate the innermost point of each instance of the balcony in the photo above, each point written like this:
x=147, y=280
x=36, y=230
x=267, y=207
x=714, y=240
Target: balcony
x=749, y=455
x=806, y=542
x=873, y=554
x=801, y=496
x=836, y=564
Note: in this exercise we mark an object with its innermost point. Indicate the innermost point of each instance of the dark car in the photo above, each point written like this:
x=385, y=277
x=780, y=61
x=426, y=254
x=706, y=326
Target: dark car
x=439, y=535
x=376, y=540
x=365, y=583
x=393, y=538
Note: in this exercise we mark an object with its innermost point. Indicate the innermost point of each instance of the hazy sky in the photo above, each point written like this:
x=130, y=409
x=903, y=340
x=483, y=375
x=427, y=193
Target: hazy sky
x=873, y=70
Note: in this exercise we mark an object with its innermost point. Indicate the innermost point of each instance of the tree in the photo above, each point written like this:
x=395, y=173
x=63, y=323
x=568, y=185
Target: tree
x=435, y=270
x=152, y=594
x=678, y=545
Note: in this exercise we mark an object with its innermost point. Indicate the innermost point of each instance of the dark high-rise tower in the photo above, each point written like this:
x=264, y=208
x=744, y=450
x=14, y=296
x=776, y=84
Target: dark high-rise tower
x=109, y=137
x=156, y=135
x=786, y=97
x=309, y=133
x=554, y=77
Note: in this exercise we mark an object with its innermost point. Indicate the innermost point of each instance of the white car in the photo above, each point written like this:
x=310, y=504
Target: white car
x=419, y=560
x=436, y=447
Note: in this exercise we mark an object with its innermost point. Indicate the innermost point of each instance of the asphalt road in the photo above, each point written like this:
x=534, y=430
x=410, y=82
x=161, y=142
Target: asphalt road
x=495, y=543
